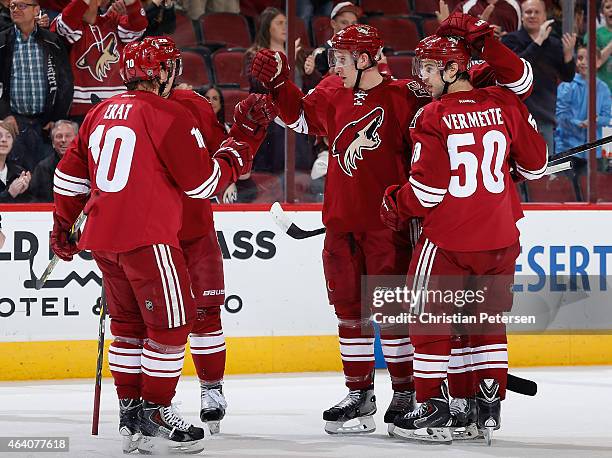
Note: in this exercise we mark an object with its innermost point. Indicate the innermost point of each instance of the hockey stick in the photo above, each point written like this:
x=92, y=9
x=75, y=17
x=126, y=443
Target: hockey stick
x=98, y=387
x=514, y=383
x=40, y=282
x=578, y=149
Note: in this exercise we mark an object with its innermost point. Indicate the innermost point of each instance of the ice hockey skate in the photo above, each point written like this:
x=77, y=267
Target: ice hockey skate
x=129, y=426
x=430, y=422
x=402, y=403
x=352, y=415
x=164, y=432
x=463, y=413
x=213, y=405
x=488, y=404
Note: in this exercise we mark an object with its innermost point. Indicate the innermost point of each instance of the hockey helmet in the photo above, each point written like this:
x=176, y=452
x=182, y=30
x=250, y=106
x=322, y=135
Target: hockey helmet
x=357, y=39
x=144, y=60
x=441, y=50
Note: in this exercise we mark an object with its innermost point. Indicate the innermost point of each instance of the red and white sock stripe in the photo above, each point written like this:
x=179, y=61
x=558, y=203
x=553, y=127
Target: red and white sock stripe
x=171, y=286
x=125, y=360
x=205, y=344
x=397, y=350
x=156, y=364
x=357, y=348
x=430, y=366
x=467, y=359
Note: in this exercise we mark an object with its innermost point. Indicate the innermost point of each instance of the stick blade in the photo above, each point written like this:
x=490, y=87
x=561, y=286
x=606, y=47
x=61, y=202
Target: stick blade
x=280, y=217
x=522, y=386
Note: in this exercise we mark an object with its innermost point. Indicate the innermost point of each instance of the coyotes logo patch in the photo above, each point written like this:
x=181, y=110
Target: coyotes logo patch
x=357, y=137
x=100, y=55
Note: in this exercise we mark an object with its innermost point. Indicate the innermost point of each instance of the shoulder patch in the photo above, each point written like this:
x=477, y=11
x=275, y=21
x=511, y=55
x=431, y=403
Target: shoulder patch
x=417, y=89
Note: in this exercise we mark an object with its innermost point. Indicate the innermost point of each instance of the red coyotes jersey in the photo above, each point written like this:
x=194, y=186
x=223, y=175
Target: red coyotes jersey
x=138, y=154
x=369, y=145
x=95, y=50
x=460, y=178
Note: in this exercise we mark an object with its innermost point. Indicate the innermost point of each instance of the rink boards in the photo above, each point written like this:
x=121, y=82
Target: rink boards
x=276, y=317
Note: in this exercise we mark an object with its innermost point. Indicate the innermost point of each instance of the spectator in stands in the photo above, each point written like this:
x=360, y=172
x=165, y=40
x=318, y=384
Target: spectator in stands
x=14, y=179
x=214, y=95
x=196, y=8
x=161, y=17
x=343, y=15
x=550, y=60
x=604, y=43
x=62, y=135
x=5, y=15
x=572, y=116
x=505, y=15
x=35, y=81
x=96, y=43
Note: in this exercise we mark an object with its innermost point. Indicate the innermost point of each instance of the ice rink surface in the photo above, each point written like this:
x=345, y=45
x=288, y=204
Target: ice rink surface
x=279, y=415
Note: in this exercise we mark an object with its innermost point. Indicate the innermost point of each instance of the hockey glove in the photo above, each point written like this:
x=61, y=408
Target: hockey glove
x=237, y=154
x=468, y=27
x=64, y=246
x=388, y=210
x=270, y=68
x=254, y=113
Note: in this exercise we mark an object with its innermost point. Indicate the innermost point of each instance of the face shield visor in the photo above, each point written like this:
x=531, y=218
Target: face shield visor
x=423, y=67
x=340, y=58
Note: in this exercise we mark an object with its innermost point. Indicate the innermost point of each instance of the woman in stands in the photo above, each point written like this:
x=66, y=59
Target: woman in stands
x=214, y=95
x=14, y=180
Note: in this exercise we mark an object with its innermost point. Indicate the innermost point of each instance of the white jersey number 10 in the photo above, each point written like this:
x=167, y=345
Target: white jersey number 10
x=102, y=153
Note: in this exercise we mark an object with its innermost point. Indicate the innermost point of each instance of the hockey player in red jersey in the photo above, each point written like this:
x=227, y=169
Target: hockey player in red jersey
x=366, y=118
x=137, y=172
x=465, y=144
x=96, y=43
x=198, y=239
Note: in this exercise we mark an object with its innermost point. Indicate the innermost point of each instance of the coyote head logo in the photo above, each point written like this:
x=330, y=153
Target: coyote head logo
x=357, y=137
x=99, y=57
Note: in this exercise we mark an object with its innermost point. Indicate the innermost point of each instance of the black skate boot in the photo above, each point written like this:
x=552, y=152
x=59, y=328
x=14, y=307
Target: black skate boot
x=164, y=432
x=488, y=404
x=129, y=425
x=403, y=402
x=463, y=413
x=358, y=405
x=429, y=423
x=213, y=405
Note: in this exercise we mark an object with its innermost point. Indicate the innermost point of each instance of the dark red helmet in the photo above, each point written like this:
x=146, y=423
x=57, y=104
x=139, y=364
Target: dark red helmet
x=359, y=38
x=145, y=59
x=442, y=50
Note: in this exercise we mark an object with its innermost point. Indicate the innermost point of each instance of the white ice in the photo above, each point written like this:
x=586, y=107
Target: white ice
x=280, y=415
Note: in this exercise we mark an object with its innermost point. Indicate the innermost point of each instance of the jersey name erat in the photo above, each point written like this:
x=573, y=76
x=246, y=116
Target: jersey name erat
x=472, y=119
x=118, y=111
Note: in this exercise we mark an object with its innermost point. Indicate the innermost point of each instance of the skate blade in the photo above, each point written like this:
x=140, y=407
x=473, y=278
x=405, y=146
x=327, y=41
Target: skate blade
x=467, y=433
x=361, y=425
x=161, y=446
x=488, y=435
x=130, y=443
x=427, y=435
x=213, y=426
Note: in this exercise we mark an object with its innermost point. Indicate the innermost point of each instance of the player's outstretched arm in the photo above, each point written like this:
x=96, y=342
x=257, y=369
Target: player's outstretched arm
x=300, y=113
x=503, y=67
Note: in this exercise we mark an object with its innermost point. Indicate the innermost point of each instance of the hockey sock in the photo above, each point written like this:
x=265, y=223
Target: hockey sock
x=430, y=366
x=490, y=360
x=124, y=356
x=207, y=345
x=399, y=353
x=460, y=375
x=357, y=352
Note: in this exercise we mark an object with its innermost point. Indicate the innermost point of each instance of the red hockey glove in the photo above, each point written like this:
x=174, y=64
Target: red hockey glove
x=255, y=113
x=238, y=155
x=388, y=210
x=270, y=68
x=470, y=28
x=64, y=246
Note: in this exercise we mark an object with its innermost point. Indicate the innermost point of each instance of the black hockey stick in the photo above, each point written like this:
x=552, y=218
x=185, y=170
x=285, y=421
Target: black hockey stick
x=557, y=158
x=514, y=383
x=40, y=282
x=98, y=387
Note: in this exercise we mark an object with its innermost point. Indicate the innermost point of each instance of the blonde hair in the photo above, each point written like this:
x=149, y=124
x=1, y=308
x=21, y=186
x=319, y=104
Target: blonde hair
x=10, y=127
